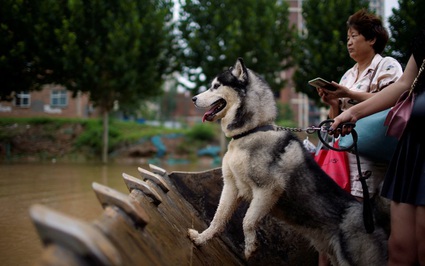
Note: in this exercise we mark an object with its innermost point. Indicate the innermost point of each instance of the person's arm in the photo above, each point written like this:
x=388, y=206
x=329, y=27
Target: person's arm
x=344, y=92
x=388, y=71
x=381, y=100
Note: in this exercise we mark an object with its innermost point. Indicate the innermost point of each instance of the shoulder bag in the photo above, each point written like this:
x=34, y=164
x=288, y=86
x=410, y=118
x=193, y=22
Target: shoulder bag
x=373, y=142
x=399, y=115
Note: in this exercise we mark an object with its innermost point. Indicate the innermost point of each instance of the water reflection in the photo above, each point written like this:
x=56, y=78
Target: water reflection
x=63, y=187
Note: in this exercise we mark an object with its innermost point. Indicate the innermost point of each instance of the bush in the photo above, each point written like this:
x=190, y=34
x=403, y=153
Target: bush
x=85, y=136
x=91, y=136
x=203, y=132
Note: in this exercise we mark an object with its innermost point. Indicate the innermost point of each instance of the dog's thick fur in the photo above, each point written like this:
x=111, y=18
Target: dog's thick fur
x=273, y=171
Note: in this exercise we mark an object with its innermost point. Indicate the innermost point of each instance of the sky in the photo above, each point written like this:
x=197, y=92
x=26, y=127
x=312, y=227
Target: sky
x=389, y=5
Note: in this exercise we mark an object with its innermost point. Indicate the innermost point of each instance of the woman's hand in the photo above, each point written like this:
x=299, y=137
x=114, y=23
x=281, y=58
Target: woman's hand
x=332, y=97
x=340, y=92
x=327, y=97
x=345, y=116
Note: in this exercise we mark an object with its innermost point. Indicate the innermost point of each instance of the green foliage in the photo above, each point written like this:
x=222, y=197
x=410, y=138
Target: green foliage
x=321, y=46
x=215, y=33
x=44, y=121
x=131, y=131
x=404, y=24
x=116, y=50
x=91, y=138
x=203, y=132
x=8, y=121
x=285, y=115
x=120, y=133
x=18, y=64
x=284, y=111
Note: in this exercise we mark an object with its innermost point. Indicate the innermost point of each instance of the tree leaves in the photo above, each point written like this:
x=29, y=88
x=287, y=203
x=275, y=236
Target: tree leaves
x=216, y=33
x=321, y=47
x=116, y=50
x=404, y=24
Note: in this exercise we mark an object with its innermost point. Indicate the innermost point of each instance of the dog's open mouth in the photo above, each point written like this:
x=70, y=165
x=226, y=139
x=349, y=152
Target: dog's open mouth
x=216, y=107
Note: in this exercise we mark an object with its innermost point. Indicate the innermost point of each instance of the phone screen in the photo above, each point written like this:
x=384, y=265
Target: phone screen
x=321, y=83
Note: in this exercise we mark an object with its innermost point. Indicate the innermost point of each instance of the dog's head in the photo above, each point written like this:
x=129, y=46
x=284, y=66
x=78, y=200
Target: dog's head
x=224, y=88
x=240, y=97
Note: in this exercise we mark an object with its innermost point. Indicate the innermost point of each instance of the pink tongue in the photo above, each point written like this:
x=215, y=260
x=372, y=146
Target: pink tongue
x=206, y=114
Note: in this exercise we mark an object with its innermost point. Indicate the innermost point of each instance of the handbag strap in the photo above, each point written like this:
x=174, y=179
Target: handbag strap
x=416, y=79
x=373, y=75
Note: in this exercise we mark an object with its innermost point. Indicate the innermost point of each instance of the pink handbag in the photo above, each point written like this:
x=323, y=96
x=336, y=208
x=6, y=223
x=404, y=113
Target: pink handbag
x=399, y=115
x=335, y=164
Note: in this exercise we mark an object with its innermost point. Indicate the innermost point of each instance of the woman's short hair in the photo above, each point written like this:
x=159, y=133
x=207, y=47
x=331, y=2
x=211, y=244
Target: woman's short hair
x=370, y=26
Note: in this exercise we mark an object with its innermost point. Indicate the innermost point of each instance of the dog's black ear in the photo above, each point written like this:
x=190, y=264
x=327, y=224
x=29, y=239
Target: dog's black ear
x=239, y=70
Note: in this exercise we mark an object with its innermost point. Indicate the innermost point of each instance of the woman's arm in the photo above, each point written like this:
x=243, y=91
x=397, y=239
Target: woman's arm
x=388, y=71
x=381, y=100
x=358, y=96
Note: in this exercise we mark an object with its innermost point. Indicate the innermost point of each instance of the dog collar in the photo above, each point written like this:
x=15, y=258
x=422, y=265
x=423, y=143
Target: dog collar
x=257, y=129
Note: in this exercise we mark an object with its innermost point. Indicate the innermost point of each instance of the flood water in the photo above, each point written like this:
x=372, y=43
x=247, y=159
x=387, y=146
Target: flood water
x=59, y=186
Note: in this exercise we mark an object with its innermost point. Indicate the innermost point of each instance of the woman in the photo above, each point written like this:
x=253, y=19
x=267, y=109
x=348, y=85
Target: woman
x=404, y=182
x=366, y=39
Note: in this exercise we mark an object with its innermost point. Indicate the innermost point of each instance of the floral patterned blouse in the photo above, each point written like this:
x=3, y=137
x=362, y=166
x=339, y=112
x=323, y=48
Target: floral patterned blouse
x=388, y=70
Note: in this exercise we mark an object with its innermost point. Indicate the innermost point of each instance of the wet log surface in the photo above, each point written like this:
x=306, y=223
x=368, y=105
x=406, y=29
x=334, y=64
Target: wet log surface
x=149, y=226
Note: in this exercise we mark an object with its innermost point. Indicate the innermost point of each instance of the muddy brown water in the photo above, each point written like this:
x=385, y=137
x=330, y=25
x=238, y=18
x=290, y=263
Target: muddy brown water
x=59, y=186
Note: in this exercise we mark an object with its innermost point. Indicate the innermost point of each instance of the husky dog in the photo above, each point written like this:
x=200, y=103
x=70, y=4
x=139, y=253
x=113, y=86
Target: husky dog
x=272, y=170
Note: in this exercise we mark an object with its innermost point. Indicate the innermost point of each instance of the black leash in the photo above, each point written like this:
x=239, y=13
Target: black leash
x=367, y=207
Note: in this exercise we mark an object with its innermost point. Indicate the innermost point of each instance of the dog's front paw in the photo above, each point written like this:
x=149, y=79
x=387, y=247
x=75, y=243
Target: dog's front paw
x=195, y=237
x=250, y=248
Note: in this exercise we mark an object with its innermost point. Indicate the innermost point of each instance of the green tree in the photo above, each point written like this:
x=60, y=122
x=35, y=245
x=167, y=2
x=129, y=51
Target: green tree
x=19, y=69
x=403, y=24
x=321, y=47
x=118, y=51
x=215, y=33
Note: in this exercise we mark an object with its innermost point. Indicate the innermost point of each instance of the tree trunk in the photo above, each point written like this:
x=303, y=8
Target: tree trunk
x=105, y=136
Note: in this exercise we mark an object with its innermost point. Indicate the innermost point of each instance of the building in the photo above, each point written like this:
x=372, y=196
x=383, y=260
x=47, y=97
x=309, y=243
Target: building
x=51, y=101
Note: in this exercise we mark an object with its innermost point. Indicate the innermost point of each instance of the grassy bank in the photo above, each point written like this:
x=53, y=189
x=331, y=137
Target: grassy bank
x=81, y=139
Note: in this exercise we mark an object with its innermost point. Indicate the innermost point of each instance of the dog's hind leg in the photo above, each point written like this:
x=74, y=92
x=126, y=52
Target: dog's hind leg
x=228, y=203
x=261, y=204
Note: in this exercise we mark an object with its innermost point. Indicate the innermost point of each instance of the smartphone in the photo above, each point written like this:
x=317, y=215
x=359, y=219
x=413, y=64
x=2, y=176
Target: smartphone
x=321, y=83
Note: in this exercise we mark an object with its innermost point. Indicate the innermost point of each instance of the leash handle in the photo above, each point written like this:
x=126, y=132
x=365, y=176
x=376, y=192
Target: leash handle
x=324, y=134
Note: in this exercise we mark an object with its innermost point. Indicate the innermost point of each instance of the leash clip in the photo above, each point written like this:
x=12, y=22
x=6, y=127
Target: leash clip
x=313, y=129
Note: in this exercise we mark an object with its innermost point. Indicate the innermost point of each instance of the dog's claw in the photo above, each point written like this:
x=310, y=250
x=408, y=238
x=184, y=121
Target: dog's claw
x=249, y=251
x=194, y=236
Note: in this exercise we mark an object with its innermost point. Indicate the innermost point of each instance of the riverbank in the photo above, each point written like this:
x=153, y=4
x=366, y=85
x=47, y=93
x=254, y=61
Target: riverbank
x=76, y=140
x=80, y=140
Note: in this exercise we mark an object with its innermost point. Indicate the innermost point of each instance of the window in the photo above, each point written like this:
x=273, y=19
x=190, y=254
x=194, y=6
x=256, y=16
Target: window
x=58, y=98
x=23, y=99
